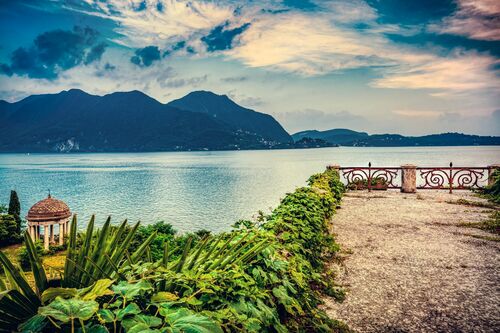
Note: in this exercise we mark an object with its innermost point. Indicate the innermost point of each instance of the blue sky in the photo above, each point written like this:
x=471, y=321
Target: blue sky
x=410, y=67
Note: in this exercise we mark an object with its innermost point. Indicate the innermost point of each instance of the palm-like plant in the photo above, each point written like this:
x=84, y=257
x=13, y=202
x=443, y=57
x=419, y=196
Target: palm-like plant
x=100, y=256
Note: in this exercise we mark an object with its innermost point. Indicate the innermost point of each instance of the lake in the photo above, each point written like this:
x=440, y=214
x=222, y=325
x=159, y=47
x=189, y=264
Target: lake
x=196, y=190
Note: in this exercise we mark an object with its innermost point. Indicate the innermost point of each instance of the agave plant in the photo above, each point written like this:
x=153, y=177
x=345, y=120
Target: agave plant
x=100, y=256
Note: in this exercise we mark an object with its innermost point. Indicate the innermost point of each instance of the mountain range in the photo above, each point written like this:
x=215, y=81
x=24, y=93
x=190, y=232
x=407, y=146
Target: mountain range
x=346, y=137
x=75, y=121
x=132, y=121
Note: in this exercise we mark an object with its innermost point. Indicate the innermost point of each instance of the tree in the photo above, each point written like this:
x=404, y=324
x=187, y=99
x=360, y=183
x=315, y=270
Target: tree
x=8, y=233
x=15, y=209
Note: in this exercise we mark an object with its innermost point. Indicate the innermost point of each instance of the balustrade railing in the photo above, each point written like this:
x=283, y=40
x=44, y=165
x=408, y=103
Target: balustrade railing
x=408, y=178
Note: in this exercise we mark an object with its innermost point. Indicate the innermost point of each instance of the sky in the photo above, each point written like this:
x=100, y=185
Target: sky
x=380, y=66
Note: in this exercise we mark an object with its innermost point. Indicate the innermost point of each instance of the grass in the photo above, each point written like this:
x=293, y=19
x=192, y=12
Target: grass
x=53, y=262
x=466, y=202
x=492, y=224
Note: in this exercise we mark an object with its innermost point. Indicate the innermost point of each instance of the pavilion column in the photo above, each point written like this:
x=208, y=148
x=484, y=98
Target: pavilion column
x=37, y=234
x=61, y=233
x=46, y=237
x=52, y=233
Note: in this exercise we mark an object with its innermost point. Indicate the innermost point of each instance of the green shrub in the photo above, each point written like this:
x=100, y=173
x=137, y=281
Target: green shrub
x=23, y=256
x=8, y=230
x=492, y=192
x=260, y=277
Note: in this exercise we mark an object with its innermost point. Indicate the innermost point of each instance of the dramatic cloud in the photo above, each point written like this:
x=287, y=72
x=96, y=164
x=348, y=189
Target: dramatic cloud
x=56, y=51
x=465, y=73
x=221, y=38
x=146, y=56
x=476, y=19
x=159, y=21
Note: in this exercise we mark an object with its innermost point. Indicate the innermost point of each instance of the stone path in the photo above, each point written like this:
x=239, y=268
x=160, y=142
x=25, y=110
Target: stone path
x=408, y=266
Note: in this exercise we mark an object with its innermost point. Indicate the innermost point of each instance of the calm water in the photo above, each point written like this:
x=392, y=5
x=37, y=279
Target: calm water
x=194, y=190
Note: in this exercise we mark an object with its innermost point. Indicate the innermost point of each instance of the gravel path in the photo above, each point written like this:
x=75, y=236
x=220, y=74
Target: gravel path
x=408, y=266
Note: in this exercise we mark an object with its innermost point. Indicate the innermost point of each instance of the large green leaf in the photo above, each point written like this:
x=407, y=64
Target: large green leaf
x=33, y=325
x=149, y=321
x=39, y=274
x=66, y=310
x=51, y=293
x=130, y=309
x=98, y=289
x=182, y=320
x=106, y=316
x=131, y=290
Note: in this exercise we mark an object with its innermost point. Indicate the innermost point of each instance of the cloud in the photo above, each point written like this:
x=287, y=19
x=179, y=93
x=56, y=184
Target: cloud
x=159, y=21
x=463, y=73
x=55, y=51
x=146, y=56
x=182, y=82
x=233, y=79
x=221, y=38
x=475, y=19
x=306, y=44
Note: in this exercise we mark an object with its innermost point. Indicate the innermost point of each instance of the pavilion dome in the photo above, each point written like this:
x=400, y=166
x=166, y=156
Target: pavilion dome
x=48, y=209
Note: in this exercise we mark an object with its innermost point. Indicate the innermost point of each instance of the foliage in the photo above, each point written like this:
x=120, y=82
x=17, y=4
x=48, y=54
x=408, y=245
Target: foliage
x=375, y=183
x=8, y=230
x=492, y=192
x=24, y=257
x=15, y=210
x=3, y=209
x=260, y=277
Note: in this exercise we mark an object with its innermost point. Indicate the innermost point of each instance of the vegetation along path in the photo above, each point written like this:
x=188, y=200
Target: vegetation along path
x=412, y=262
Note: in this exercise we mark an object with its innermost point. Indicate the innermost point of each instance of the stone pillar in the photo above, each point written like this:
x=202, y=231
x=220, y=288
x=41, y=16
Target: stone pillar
x=408, y=178
x=491, y=170
x=46, y=237
x=52, y=233
x=61, y=234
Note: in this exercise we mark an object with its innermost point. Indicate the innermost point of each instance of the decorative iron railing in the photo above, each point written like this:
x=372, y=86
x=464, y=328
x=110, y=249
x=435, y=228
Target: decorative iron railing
x=438, y=178
x=371, y=177
x=458, y=178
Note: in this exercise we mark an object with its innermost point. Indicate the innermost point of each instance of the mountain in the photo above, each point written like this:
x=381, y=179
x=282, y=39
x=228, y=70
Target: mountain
x=346, y=137
x=220, y=107
x=337, y=136
x=127, y=121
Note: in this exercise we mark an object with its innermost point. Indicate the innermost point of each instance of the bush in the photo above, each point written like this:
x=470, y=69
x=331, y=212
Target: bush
x=492, y=192
x=23, y=256
x=8, y=230
x=260, y=277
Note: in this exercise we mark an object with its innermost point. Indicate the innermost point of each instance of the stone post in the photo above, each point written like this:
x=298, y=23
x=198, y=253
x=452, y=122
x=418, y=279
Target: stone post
x=491, y=170
x=408, y=178
x=61, y=234
x=46, y=237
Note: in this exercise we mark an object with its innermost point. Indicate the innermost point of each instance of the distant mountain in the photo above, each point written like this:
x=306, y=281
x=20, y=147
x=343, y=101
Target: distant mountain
x=132, y=121
x=346, y=137
x=220, y=107
x=338, y=136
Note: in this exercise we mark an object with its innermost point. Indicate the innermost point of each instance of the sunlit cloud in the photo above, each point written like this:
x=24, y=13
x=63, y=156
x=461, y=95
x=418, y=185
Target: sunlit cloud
x=463, y=73
x=476, y=19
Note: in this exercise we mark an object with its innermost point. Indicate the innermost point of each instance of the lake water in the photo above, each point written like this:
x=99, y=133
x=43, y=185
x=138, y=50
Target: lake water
x=194, y=190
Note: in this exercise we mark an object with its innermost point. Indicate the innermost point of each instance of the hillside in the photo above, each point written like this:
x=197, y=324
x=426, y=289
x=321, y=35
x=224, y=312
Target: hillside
x=220, y=107
x=347, y=137
x=128, y=121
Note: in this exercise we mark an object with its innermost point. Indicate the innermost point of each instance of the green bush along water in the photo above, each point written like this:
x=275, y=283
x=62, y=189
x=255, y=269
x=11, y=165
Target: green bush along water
x=264, y=276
